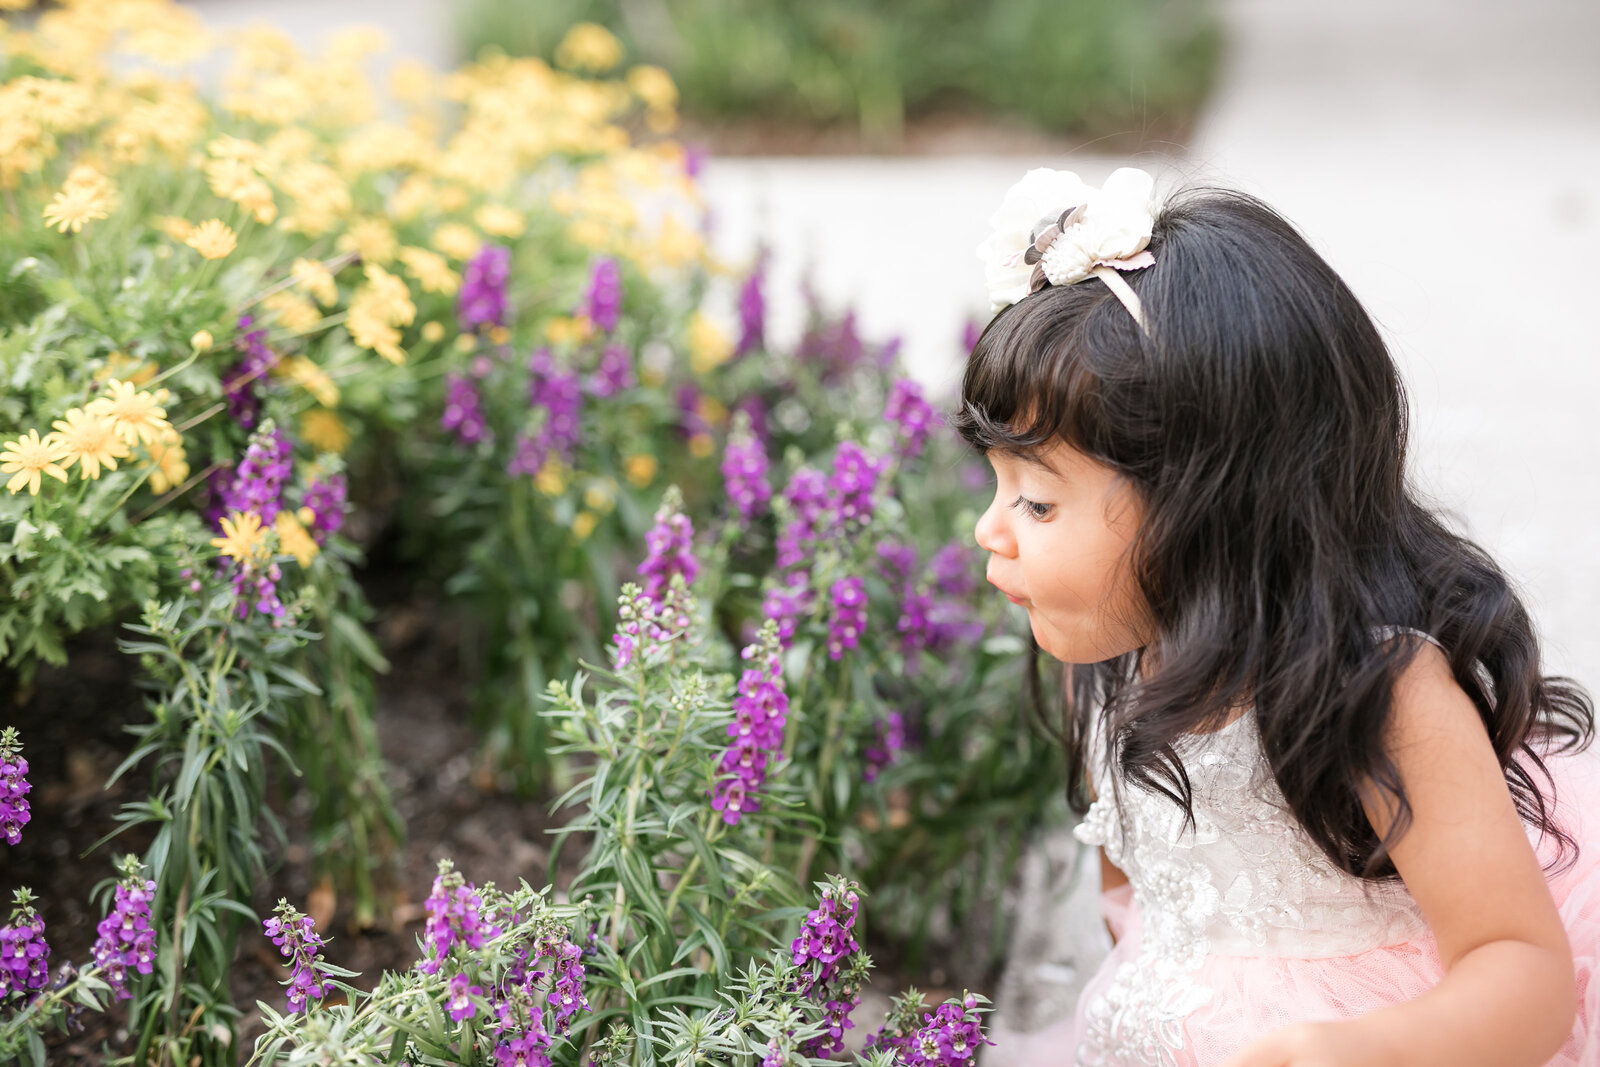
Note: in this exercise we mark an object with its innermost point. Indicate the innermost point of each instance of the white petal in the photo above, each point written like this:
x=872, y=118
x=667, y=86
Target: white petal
x=1041, y=192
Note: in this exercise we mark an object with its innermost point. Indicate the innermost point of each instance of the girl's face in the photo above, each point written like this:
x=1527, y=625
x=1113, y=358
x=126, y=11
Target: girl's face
x=1057, y=533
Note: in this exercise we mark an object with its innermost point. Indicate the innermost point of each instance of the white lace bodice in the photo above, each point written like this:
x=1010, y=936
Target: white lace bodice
x=1245, y=880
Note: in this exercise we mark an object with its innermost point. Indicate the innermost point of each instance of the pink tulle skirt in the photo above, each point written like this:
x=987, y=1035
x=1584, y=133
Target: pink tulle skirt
x=1253, y=995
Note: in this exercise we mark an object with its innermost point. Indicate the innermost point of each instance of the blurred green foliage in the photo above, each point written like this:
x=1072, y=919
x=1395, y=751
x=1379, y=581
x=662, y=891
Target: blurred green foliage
x=1088, y=67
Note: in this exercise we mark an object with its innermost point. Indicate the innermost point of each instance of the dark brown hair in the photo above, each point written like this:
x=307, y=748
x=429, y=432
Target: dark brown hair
x=1263, y=424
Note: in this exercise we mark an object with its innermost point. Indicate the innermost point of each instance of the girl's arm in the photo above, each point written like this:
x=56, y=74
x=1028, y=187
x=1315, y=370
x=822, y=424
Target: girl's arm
x=1111, y=877
x=1508, y=997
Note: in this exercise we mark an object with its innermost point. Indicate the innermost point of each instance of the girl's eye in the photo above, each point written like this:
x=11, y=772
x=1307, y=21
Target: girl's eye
x=1032, y=508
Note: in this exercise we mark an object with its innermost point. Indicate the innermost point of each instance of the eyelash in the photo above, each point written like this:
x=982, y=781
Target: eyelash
x=1029, y=508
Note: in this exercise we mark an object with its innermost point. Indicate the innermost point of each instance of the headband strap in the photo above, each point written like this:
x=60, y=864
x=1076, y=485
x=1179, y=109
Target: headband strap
x=1125, y=293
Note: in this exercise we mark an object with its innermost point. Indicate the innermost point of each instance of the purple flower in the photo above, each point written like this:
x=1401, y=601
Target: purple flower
x=899, y=561
x=556, y=397
x=455, y=916
x=852, y=483
x=603, y=302
x=825, y=941
x=126, y=941
x=481, y=301
x=744, y=469
x=891, y=741
x=954, y=570
x=14, y=787
x=807, y=498
x=240, y=381
x=786, y=603
x=326, y=498
x=257, y=483
x=298, y=941
x=970, y=333
x=833, y=347
x=912, y=415
x=518, y=1006
x=760, y=712
x=753, y=308
x=458, y=1002
x=24, y=953
x=463, y=411
x=693, y=423
x=951, y=1037
x=614, y=372
x=849, y=619
x=670, y=547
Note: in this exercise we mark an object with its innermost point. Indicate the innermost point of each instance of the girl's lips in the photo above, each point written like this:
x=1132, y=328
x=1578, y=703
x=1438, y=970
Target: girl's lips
x=1008, y=595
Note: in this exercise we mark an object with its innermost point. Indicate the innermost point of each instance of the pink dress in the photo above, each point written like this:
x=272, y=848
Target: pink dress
x=1239, y=925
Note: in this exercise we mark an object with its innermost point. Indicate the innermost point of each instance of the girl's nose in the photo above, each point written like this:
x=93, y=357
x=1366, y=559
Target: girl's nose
x=992, y=534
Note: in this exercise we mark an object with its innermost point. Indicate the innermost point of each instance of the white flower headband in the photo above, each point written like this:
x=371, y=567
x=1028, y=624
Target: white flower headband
x=1053, y=229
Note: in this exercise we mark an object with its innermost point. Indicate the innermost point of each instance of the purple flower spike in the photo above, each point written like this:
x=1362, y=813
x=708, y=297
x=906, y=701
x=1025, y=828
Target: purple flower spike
x=242, y=382
x=807, y=498
x=670, y=547
x=826, y=940
x=911, y=414
x=603, y=302
x=257, y=484
x=481, y=301
x=325, y=498
x=853, y=482
x=744, y=469
x=14, y=787
x=24, y=953
x=455, y=916
x=760, y=713
x=891, y=741
x=849, y=619
x=126, y=942
x=463, y=411
x=614, y=372
x=753, y=309
x=786, y=604
x=297, y=939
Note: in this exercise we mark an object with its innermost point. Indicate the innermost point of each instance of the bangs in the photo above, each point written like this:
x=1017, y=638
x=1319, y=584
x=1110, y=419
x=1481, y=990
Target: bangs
x=1030, y=379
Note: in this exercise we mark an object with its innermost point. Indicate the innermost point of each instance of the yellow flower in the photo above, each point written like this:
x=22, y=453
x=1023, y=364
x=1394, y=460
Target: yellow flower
x=601, y=495
x=372, y=239
x=640, y=469
x=127, y=368
x=654, y=86
x=701, y=445
x=709, y=347
x=315, y=278
x=561, y=329
x=304, y=372
x=293, y=539
x=677, y=245
x=243, y=538
x=588, y=46
x=171, y=464
x=457, y=241
x=90, y=440
x=201, y=341
x=212, y=239
x=376, y=312
x=294, y=312
x=500, y=220
x=431, y=269
x=135, y=415
x=27, y=458
x=179, y=229
x=323, y=431
x=583, y=525
x=552, y=478
x=86, y=195
x=433, y=332
x=500, y=335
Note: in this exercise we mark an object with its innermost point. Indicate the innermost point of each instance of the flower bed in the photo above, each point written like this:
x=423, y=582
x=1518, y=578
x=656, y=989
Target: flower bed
x=251, y=339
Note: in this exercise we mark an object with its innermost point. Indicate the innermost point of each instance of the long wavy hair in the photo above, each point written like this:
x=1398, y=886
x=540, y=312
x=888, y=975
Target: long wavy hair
x=1264, y=426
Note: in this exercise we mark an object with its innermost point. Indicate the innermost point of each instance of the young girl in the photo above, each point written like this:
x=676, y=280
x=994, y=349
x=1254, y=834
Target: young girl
x=1340, y=814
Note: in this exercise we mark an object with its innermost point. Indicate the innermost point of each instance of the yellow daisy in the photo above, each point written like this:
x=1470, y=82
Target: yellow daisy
x=75, y=205
x=243, y=538
x=136, y=415
x=589, y=46
x=90, y=440
x=431, y=269
x=27, y=458
x=315, y=278
x=323, y=431
x=171, y=463
x=293, y=539
x=212, y=239
x=640, y=469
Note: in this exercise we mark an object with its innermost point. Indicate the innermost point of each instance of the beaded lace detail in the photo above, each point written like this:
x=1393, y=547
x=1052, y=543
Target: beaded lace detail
x=1244, y=880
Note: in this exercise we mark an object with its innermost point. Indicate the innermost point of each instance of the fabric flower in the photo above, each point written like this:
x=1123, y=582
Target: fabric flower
x=1111, y=226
